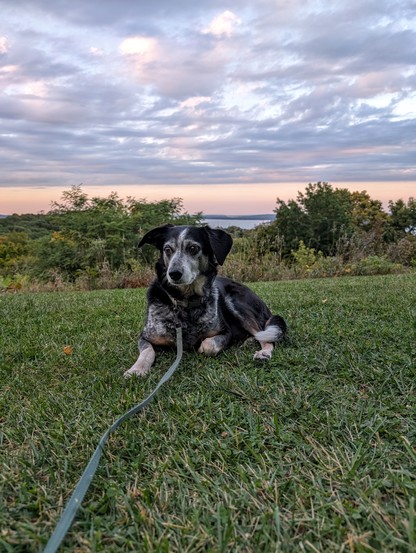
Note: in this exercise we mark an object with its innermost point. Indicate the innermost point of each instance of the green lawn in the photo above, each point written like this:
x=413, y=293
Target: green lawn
x=314, y=451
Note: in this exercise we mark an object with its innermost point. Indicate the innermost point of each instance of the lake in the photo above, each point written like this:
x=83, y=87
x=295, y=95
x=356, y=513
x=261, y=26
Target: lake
x=242, y=223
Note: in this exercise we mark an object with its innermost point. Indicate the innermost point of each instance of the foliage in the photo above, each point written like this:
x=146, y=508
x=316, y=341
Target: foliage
x=91, y=242
x=304, y=257
x=293, y=223
x=13, y=283
x=314, y=452
x=403, y=251
x=14, y=248
x=322, y=217
x=318, y=218
x=366, y=214
x=33, y=225
x=374, y=265
x=403, y=217
x=82, y=235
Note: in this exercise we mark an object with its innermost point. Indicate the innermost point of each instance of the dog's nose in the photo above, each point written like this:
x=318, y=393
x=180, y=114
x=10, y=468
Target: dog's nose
x=175, y=275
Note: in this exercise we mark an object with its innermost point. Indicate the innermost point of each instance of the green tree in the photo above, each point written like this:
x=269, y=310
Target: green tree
x=293, y=223
x=402, y=217
x=94, y=231
x=57, y=252
x=329, y=214
x=33, y=225
x=318, y=218
x=14, y=249
x=367, y=214
x=72, y=200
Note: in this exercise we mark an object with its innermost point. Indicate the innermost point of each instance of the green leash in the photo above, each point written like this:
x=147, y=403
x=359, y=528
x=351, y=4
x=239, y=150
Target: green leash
x=84, y=482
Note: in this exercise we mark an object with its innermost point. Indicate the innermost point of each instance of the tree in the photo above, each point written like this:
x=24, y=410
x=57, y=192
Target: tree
x=367, y=214
x=94, y=231
x=14, y=248
x=292, y=222
x=329, y=214
x=34, y=225
x=402, y=217
x=318, y=218
x=72, y=200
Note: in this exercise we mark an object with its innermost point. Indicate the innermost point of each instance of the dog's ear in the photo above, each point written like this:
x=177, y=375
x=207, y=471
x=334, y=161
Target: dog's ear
x=220, y=242
x=156, y=236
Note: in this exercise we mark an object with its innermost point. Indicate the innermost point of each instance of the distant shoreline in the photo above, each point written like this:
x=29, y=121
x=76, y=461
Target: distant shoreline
x=244, y=221
x=260, y=217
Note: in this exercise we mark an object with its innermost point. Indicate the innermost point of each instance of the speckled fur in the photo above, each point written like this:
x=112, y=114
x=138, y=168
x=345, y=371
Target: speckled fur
x=196, y=323
x=213, y=311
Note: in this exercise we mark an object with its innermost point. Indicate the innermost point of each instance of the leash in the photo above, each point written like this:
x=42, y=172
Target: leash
x=84, y=482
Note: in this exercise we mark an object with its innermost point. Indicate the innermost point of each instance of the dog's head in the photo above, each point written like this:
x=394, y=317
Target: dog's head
x=188, y=252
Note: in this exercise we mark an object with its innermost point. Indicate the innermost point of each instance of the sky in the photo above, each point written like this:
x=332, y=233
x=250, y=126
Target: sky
x=227, y=105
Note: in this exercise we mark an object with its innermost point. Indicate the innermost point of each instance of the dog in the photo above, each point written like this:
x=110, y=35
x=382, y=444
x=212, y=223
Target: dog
x=214, y=311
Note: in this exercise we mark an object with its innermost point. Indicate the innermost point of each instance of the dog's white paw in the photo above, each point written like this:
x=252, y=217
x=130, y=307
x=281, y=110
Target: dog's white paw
x=262, y=355
x=136, y=371
x=142, y=366
x=209, y=346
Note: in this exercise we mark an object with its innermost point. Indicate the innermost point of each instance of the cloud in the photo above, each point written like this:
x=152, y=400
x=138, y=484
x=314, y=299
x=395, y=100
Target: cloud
x=96, y=51
x=175, y=67
x=4, y=45
x=142, y=47
x=224, y=24
x=192, y=92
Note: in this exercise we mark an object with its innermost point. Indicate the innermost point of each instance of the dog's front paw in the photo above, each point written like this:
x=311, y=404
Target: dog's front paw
x=136, y=371
x=143, y=363
x=263, y=355
x=210, y=346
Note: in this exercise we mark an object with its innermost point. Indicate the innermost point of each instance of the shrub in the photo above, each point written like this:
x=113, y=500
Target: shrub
x=403, y=251
x=13, y=283
x=304, y=258
x=327, y=267
x=375, y=265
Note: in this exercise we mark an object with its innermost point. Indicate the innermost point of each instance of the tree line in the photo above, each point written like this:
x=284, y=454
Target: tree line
x=80, y=236
x=93, y=240
x=326, y=219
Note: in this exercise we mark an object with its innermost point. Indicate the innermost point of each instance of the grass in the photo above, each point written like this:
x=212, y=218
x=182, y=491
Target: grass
x=311, y=452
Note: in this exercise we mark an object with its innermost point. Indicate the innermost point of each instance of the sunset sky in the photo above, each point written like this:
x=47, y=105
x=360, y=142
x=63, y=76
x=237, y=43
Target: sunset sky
x=227, y=105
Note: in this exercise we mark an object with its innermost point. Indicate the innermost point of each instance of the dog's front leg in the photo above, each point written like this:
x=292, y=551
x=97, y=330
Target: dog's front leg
x=214, y=344
x=145, y=360
x=265, y=353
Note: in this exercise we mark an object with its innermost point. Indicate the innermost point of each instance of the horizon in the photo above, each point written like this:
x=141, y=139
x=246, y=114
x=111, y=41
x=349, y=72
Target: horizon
x=227, y=109
x=230, y=200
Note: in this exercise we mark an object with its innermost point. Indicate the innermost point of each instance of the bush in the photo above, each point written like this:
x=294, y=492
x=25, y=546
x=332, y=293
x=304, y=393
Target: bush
x=304, y=259
x=327, y=267
x=13, y=283
x=375, y=265
x=404, y=251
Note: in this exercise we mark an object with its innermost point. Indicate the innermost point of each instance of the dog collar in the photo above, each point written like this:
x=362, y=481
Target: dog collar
x=191, y=303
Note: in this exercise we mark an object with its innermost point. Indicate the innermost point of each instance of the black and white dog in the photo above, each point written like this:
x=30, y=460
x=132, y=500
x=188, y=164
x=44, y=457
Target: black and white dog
x=213, y=311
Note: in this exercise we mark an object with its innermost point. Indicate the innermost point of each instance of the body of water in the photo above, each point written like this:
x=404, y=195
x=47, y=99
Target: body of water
x=242, y=223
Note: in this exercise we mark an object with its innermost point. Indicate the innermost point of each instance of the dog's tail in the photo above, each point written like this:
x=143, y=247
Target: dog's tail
x=274, y=331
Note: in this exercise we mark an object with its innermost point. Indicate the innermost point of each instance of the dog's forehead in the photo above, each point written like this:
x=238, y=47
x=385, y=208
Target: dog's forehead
x=180, y=235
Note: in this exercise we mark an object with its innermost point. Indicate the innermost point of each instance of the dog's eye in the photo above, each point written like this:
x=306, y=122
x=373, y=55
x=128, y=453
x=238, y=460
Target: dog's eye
x=193, y=249
x=168, y=250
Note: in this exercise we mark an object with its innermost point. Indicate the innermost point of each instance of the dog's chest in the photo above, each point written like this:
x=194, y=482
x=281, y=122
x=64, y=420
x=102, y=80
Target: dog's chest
x=197, y=324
